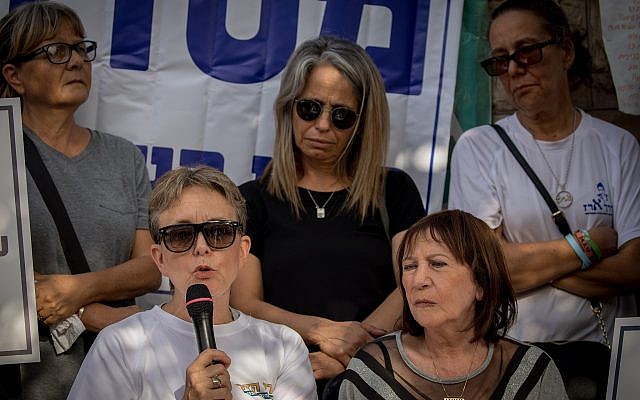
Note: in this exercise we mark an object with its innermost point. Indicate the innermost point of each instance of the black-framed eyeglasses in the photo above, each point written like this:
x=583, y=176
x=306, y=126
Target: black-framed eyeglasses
x=60, y=53
x=524, y=56
x=341, y=117
x=218, y=234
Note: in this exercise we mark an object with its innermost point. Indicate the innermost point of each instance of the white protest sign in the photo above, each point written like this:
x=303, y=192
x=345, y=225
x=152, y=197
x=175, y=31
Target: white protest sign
x=18, y=316
x=625, y=360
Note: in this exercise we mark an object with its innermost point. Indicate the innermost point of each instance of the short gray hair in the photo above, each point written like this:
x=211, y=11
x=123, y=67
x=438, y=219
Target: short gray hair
x=169, y=188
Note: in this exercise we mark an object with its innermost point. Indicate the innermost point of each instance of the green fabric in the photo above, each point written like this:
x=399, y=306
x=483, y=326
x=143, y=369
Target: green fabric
x=472, y=105
x=473, y=86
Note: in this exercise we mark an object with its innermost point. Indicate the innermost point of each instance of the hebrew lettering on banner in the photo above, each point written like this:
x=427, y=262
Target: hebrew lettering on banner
x=194, y=81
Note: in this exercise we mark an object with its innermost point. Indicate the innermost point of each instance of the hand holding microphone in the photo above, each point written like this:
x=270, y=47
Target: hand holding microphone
x=206, y=380
x=207, y=376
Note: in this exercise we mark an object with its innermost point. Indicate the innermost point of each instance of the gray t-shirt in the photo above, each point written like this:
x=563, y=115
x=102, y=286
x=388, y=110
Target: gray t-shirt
x=105, y=190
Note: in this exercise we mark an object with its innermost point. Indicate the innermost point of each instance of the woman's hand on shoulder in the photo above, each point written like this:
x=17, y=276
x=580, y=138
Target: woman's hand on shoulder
x=374, y=331
x=324, y=366
x=340, y=340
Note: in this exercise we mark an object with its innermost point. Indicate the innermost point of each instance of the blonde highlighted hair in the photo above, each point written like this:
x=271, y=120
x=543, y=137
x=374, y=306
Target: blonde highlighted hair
x=364, y=160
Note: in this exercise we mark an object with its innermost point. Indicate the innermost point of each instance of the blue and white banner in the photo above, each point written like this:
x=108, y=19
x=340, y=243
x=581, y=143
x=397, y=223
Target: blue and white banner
x=194, y=81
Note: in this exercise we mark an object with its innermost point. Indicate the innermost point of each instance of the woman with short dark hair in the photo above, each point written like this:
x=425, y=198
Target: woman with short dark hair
x=458, y=304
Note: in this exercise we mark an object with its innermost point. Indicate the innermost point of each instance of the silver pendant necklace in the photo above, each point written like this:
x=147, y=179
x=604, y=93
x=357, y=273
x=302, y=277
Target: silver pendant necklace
x=320, y=214
x=564, y=198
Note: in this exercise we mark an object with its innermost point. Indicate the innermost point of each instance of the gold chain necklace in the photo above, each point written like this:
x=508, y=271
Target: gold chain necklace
x=320, y=214
x=464, y=387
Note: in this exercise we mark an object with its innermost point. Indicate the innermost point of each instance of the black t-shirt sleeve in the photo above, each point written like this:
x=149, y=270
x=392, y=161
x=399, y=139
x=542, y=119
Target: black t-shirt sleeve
x=404, y=203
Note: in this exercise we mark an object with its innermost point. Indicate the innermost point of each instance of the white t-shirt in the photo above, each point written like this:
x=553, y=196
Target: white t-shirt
x=146, y=356
x=604, y=179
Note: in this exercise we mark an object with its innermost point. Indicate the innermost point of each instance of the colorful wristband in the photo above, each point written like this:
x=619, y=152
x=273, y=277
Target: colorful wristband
x=579, y=235
x=592, y=244
x=586, y=263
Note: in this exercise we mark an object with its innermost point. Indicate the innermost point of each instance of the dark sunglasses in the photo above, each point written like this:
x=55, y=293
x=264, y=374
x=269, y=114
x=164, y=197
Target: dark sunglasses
x=341, y=117
x=218, y=234
x=524, y=57
x=60, y=53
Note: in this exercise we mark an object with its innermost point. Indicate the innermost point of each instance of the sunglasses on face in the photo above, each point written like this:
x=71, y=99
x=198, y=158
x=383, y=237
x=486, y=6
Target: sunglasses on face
x=341, y=117
x=60, y=53
x=524, y=57
x=218, y=234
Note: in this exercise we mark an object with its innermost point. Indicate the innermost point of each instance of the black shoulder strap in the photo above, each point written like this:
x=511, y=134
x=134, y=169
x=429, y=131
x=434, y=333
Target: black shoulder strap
x=68, y=239
x=556, y=214
x=385, y=356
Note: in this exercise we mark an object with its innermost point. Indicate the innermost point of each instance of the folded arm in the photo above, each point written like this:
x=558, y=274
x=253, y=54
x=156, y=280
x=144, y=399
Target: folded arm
x=615, y=275
x=59, y=296
x=535, y=264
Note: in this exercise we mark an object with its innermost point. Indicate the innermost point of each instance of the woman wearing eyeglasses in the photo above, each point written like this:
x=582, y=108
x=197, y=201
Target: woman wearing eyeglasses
x=102, y=183
x=326, y=214
x=590, y=168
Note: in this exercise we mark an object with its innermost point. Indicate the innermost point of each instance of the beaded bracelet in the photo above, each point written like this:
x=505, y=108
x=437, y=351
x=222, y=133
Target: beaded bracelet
x=579, y=235
x=586, y=263
x=592, y=244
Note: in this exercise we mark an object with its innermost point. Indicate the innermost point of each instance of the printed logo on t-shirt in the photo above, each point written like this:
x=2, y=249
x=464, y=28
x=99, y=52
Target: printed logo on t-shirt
x=600, y=204
x=255, y=390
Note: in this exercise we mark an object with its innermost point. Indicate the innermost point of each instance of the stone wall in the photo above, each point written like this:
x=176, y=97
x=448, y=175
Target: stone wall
x=599, y=99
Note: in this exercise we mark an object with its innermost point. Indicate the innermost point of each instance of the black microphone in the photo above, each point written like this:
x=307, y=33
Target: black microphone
x=200, y=308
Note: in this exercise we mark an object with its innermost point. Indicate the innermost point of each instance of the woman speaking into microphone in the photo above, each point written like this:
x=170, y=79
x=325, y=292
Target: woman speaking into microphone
x=197, y=218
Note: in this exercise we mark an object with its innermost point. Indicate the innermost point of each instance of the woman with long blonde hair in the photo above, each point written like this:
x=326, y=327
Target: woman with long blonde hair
x=326, y=215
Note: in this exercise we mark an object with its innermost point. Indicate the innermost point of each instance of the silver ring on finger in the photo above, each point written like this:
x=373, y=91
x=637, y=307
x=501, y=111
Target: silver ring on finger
x=216, y=381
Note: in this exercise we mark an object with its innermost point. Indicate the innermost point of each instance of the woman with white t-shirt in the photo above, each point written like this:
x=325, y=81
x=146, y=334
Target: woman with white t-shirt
x=590, y=168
